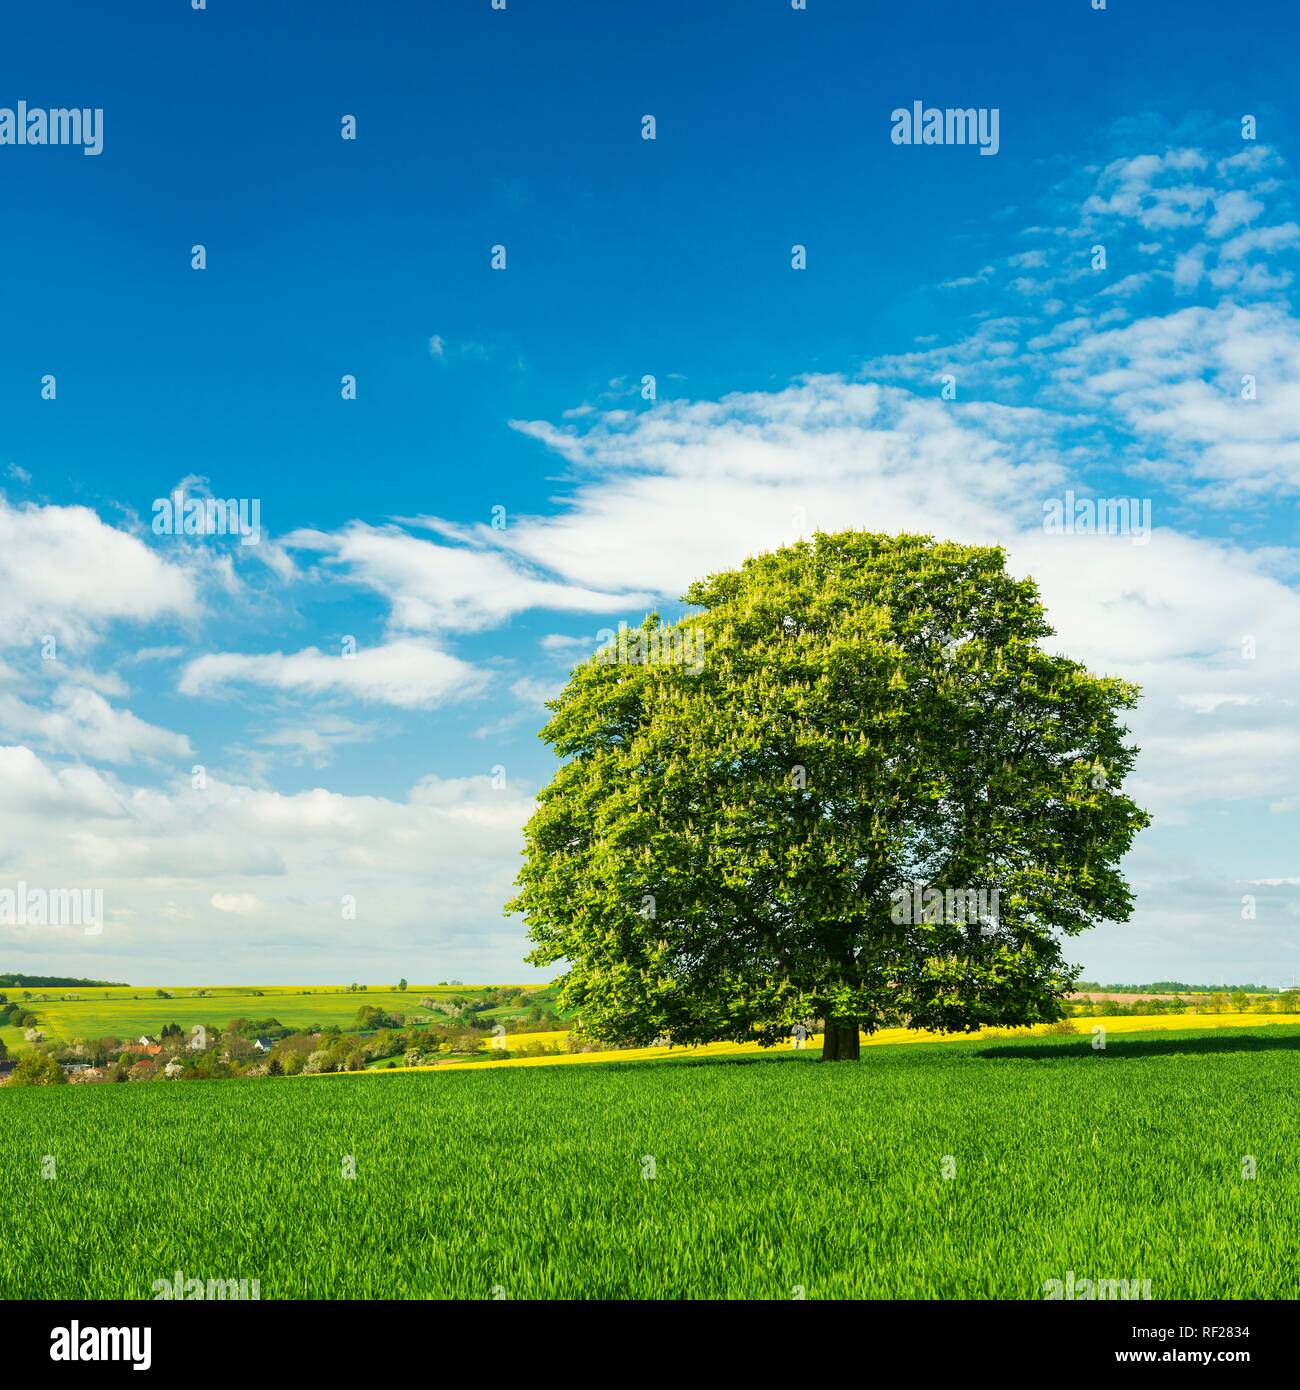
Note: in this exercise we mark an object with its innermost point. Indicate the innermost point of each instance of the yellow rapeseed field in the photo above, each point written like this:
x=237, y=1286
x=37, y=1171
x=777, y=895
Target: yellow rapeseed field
x=885, y=1038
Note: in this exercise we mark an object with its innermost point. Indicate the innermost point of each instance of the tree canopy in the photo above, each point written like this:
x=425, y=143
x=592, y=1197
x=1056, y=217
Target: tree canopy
x=854, y=787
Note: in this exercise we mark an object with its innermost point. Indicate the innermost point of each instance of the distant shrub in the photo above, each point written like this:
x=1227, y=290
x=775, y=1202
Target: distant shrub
x=37, y=1069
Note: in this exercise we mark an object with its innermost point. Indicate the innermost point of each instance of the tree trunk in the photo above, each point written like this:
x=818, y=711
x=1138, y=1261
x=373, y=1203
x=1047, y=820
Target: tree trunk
x=840, y=1042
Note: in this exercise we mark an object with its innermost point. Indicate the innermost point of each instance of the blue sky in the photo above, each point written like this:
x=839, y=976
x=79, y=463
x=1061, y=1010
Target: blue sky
x=785, y=399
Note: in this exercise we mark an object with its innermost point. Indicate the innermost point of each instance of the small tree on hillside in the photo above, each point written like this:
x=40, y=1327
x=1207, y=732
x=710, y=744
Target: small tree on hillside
x=36, y=1068
x=855, y=788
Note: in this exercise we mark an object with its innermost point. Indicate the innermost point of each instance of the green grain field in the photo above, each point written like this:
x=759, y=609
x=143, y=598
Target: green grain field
x=128, y=1012
x=772, y=1176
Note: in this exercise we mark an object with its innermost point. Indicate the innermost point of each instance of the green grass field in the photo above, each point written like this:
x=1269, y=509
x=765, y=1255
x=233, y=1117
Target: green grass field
x=127, y=1013
x=771, y=1175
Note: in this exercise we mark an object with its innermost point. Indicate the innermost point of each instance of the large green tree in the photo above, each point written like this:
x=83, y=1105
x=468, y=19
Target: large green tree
x=854, y=788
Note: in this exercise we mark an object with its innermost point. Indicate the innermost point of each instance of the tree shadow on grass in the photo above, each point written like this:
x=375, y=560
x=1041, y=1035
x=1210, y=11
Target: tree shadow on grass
x=775, y=1057
x=1269, y=1039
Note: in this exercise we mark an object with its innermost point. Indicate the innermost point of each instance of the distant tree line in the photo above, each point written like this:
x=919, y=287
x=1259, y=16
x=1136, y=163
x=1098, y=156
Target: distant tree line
x=60, y=981
x=1172, y=987
x=1219, y=1002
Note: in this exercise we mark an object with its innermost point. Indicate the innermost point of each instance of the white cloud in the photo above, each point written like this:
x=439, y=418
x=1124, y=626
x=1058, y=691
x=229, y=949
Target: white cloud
x=81, y=723
x=65, y=572
x=435, y=587
x=31, y=789
x=1232, y=210
x=319, y=740
x=531, y=691
x=1189, y=270
x=266, y=874
x=242, y=904
x=1177, y=381
x=691, y=487
x=408, y=673
x=1265, y=239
